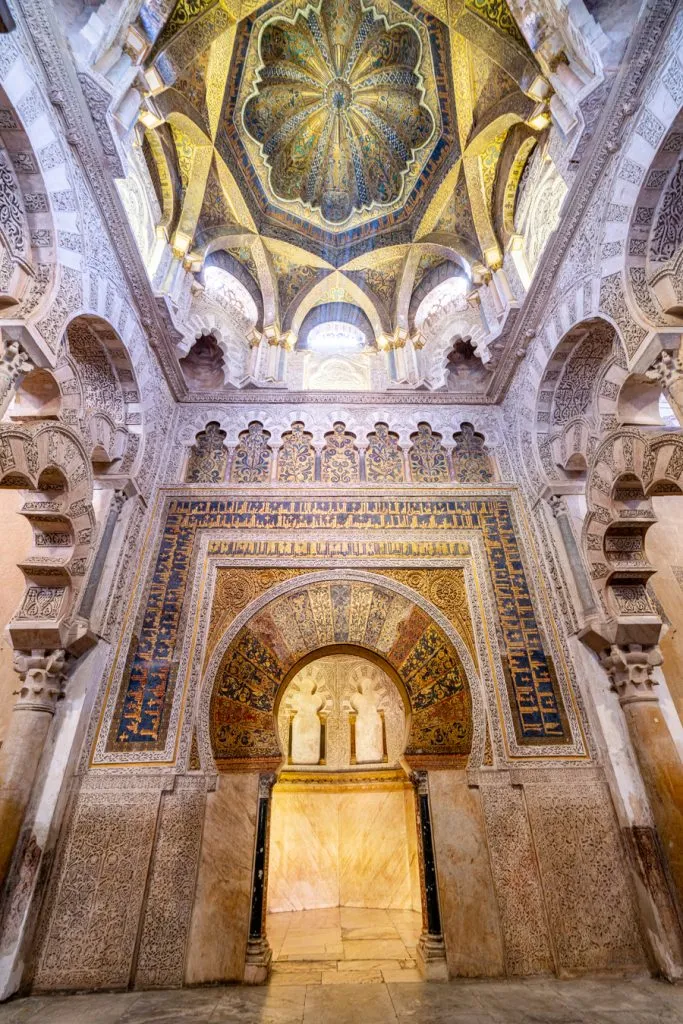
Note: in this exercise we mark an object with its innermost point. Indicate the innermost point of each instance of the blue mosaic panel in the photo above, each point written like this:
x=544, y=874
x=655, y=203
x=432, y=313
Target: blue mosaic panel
x=141, y=718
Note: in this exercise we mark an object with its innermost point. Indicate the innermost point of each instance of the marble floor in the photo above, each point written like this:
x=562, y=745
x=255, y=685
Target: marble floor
x=588, y=1001
x=347, y=944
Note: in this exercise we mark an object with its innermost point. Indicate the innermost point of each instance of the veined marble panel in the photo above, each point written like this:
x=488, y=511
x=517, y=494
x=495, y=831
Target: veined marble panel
x=220, y=919
x=355, y=847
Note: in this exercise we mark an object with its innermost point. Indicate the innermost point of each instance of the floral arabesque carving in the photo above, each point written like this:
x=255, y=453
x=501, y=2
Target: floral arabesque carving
x=208, y=459
x=251, y=458
x=296, y=458
x=472, y=462
x=383, y=457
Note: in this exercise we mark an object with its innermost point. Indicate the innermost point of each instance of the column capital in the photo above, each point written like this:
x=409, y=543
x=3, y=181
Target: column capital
x=41, y=673
x=666, y=370
x=558, y=505
x=420, y=781
x=266, y=781
x=630, y=669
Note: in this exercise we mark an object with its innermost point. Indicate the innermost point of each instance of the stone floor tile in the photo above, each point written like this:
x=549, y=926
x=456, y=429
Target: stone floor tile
x=167, y=1007
x=370, y=932
x=104, y=1008
x=372, y=976
x=261, y=1005
x=401, y=975
x=415, y=1001
x=307, y=977
x=364, y=965
x=331, y=1004
x=18, y=1011
x=312, y=953
x=301, y=966
x=608, y=994
x=375, y=949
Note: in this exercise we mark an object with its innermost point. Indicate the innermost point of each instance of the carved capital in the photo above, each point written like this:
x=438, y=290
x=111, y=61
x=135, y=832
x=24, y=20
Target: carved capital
x=420, y=781
x=266, y=781
x=13, y=363
x=558, y=505
x=41, y=673
x=666, y=371
x=630, y=670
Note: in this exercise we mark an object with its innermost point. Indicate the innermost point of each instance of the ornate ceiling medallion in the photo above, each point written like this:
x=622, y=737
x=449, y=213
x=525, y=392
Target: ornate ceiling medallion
x=338, y=107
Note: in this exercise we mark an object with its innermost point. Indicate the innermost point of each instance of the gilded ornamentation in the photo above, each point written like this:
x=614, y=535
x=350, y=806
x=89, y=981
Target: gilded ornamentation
x=471, y=460
x=340, y=461
x=338, y=107
x=428, y=461
x=296, y=459
x=383, y=457
x=251, y=461
x=209, y=457
x=315, y=615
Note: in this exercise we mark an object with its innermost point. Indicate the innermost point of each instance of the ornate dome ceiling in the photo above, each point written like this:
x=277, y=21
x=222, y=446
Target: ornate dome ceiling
x=338, y=109
x=339, y=151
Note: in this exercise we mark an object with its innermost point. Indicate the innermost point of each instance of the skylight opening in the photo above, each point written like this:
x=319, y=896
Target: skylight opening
x=335, y=337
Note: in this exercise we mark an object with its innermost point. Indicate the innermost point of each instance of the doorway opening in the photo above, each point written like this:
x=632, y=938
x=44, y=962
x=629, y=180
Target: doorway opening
x=344, y=900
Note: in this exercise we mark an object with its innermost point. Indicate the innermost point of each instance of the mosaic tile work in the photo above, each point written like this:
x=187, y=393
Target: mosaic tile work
x=141, y=716
x=319, y=615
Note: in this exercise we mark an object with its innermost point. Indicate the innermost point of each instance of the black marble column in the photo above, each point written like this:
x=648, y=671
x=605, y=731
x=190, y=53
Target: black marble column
x=259, y=953
x=431, y=951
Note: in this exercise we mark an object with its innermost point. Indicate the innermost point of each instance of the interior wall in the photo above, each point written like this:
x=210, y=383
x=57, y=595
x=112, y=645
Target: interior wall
x=351, y=847
x=16, y=542
x=664, y=549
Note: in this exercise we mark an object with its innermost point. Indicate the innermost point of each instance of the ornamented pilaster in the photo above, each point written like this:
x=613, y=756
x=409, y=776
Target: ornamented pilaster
x=560, y=512
x=259, y=953
x=630, y=668
x=431, y=951
x=41, y=677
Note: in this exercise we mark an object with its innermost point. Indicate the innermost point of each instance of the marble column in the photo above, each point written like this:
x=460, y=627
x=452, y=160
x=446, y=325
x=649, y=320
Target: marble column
x=259, y=953
x=431, y=950
x=630, y=669
x=668, y=373
x=41, y=674
x=558, y=507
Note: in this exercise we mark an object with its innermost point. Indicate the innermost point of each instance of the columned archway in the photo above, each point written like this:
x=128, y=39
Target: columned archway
x=360, y=616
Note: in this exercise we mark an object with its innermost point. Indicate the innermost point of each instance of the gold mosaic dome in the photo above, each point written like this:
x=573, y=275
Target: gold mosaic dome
x=338, y=107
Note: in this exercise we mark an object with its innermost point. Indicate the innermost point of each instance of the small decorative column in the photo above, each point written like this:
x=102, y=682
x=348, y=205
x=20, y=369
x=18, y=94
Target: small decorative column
x=431, y=951
x=630, y=670
x=558, y=507
x=259, y=953
x=668, y=373
x=41, y=673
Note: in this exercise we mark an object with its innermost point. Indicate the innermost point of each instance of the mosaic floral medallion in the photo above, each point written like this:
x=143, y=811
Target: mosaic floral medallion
x=339, y=107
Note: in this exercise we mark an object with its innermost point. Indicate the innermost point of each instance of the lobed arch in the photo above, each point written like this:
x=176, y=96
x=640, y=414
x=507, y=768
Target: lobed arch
x=100, y=393
x=654, y=252
x=50, y=465
x=577, y=397
x=624, y=291
x=629, y=468
x=381, y=620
